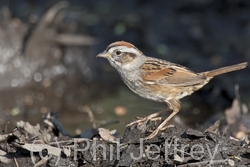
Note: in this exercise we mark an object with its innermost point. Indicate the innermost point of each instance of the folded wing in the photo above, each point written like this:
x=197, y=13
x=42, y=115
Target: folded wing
x=166, y=73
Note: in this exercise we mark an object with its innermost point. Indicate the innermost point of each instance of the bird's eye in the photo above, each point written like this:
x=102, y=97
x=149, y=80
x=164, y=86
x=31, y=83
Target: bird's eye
x=118, y=52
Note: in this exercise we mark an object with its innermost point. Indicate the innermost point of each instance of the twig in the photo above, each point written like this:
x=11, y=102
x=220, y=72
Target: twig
x=92, y=120
x=79, y=140
x=69, y=39
x=16, y=163
x=209, y=163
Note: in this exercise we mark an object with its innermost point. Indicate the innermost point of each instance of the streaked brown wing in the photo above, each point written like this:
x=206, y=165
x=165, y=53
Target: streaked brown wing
x=166, y=74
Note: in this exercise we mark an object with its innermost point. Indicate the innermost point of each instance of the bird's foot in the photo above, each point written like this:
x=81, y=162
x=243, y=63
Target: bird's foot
x=156, y=131
x=152, y=117
x=143, y=120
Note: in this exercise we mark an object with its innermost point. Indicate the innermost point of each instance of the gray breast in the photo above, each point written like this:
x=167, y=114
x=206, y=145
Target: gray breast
x=134, y=82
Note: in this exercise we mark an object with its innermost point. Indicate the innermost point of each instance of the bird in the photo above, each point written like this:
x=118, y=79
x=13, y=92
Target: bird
x=157, y=79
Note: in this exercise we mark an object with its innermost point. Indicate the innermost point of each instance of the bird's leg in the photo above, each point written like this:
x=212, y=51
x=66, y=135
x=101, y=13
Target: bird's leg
x=175, y=106
x=150, y=117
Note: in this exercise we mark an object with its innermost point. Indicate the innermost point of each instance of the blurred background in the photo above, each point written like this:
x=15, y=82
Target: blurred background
x=48, y=58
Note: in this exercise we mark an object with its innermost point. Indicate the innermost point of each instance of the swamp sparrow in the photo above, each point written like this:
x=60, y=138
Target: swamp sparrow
x=157, y=79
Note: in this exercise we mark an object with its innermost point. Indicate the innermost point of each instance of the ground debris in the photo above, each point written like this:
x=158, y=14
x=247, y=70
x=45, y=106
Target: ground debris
x=175, y=146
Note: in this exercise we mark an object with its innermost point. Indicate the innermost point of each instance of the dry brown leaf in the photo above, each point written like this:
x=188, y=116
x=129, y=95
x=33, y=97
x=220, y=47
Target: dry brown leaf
x=105, y=135
x=233, y=114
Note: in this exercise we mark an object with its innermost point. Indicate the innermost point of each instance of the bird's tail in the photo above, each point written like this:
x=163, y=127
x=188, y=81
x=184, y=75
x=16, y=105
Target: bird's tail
x=225, y=69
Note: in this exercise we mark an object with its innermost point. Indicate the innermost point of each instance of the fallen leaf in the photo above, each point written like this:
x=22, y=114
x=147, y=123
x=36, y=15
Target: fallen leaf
x=105, y=135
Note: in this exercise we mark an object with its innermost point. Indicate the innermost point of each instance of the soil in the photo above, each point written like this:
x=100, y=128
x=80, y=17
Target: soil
x=29, y=145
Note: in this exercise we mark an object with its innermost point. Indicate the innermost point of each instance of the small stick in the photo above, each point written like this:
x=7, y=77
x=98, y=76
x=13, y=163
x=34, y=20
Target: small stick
x=16, y=163
x=207, y=163
x=87, y=110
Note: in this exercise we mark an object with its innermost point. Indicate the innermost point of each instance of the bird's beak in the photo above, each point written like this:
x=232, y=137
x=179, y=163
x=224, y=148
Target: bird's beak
x=104, y=55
